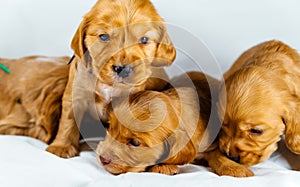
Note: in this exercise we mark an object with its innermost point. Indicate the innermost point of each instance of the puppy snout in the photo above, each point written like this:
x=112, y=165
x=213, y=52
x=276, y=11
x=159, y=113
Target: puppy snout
x=123, y=71
x=104, y=161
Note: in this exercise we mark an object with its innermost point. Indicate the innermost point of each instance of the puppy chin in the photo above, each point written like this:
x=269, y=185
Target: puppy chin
x=116, y=165
x=117, y=169
x=133, y=80
x=114, y=169
x=249, y=159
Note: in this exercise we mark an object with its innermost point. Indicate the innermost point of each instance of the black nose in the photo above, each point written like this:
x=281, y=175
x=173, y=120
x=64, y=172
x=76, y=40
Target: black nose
x=234, y=158
x=104, y=160
x=122, y=71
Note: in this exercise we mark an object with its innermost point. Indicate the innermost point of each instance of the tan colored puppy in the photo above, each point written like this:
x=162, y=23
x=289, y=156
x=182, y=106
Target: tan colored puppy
x=31, y=96
x=262, y=104
x=116, y=47
x=156, y=131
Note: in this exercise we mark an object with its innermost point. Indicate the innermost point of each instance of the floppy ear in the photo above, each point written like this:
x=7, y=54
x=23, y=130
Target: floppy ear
x=78, y=44
x=166, y=153
x=78, y=41
x=292, y=128
x=165, y=52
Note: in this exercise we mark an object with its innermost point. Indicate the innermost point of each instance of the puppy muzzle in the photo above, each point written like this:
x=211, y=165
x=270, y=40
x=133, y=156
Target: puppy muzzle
x=234, y=158
x=123, y=71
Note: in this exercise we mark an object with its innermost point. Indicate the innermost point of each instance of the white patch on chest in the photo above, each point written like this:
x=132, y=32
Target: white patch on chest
x=107, y=92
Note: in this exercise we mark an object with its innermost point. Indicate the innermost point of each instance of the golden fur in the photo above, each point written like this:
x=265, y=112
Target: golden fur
x=156, y=131
x=114, y=34
x=31, y=96
x=262, y=103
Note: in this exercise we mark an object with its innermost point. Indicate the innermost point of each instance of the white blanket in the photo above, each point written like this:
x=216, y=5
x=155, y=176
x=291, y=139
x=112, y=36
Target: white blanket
x=30, y=27
x=24, y=162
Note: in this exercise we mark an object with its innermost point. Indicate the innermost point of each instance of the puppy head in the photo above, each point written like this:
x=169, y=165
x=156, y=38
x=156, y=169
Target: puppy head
x=253, y=115
x=138, y=135
x=119, y=41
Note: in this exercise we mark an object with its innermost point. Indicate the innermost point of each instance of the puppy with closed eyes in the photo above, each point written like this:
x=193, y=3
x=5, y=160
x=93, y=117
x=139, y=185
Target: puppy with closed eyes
x=262, y=103
x=157, y=131
x=31, y=92
x=120, y=47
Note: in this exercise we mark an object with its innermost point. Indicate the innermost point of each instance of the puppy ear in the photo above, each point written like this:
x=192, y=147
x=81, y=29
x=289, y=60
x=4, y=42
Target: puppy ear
x=167, y=148
x=78, y=40
x=78, y=44
x=292, y=128
x=165, y=52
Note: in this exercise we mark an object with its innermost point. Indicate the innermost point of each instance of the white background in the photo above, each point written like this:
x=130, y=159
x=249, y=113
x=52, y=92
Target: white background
x=226, y=27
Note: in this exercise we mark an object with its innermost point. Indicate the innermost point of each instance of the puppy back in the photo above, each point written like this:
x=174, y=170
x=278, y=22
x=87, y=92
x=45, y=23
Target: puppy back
x=262, y=53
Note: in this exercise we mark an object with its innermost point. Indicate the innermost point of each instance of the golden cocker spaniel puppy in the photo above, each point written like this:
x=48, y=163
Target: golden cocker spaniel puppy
x=31, y=96
x=119, y=48
x=262, y=103
x=157, y=131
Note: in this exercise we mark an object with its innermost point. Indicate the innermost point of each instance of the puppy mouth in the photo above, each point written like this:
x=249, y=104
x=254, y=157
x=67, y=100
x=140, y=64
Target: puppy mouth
x=245, y=158
x=235, y=158
x=109, y=166
x=113, y=169
x=117, y=169
x=250, y=159
x=131, y=81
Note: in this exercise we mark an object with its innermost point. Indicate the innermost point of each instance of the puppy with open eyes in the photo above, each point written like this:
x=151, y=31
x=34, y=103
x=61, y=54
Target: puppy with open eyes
x=262, y=103
x=120, y=47
x=157, y=131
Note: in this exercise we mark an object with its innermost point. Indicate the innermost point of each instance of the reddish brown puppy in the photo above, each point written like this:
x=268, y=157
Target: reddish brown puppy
x=262, y=103
x=117, y=46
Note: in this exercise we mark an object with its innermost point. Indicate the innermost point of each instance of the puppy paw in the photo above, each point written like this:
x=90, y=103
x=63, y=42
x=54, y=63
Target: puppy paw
x=64, y=151
x=165, y=169
x=235, y=170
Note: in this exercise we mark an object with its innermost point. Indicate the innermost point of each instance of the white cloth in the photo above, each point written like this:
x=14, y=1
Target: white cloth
x=24, y=162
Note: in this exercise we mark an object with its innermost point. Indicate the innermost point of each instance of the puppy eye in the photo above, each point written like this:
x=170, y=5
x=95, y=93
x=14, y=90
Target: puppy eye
x=256, y=131
x=144, y=40
x=134, y=143
x=104, y=37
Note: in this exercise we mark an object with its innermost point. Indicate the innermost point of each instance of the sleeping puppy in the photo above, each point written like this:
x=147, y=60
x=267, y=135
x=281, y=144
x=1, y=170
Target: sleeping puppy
x=31, y=93
x=262, y=103
x=157, y=131
x=119, y=47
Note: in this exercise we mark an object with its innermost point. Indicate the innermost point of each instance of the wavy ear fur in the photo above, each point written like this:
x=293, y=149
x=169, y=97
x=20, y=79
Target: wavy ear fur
x=292, y=127
x=78, y=40
x=78, y=44
x=165, y=52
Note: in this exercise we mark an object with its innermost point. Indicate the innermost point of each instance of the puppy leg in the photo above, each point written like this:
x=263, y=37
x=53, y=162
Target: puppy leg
x=11, y=127
x=19, y=122
x=66, y=142
x=221, y=165
x=164, y=169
